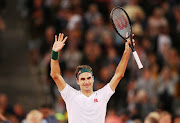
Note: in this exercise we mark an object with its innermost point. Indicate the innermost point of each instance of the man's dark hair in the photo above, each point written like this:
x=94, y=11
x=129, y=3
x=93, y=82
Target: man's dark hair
x=82, y=66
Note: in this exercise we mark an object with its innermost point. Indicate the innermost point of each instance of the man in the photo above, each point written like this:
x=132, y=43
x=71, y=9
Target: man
x=85, y=106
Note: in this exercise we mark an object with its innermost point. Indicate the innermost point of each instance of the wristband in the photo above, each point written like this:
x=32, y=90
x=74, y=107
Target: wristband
x=54, y=55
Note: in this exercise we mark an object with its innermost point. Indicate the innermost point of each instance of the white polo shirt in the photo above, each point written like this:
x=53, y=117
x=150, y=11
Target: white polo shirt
x=83, y=109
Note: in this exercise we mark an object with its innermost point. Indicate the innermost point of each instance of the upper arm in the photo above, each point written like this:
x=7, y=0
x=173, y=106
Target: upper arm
x=114, y=82
x=61, y=84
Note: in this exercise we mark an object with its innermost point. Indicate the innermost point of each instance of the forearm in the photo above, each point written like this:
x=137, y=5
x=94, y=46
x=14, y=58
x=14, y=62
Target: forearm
x=55, y=74
x=120, y=70
x=55, y=68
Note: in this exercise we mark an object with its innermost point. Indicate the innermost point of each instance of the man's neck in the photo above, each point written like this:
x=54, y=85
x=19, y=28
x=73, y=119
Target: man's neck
x=87, y=93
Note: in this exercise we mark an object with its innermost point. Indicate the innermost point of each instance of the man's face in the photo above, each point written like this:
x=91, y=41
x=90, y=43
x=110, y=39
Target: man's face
x=85, y=81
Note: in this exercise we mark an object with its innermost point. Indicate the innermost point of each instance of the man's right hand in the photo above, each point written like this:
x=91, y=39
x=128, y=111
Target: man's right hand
x=59, y=43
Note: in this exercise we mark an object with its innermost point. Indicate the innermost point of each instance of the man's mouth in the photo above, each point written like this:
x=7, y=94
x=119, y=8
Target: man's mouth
x=86, y=86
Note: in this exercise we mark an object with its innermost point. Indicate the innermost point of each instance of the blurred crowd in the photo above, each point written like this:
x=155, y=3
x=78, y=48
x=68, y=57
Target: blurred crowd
x=150, y=95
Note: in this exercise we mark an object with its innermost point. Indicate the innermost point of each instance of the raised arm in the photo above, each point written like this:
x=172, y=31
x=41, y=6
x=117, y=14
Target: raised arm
x=55, y=68
x=120, y=70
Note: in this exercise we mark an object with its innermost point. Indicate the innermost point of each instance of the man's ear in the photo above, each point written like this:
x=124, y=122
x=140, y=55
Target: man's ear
x=77, y=81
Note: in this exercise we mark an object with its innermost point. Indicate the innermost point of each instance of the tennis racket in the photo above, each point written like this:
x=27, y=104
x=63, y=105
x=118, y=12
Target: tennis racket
x=122, y=25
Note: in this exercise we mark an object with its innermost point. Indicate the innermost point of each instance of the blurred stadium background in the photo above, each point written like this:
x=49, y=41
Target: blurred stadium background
x=27, y=29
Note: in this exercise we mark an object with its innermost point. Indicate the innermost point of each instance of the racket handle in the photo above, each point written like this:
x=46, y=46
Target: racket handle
x=137, y=60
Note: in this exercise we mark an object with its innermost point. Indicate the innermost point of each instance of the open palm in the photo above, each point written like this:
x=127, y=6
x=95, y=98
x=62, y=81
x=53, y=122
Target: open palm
x=59, y=42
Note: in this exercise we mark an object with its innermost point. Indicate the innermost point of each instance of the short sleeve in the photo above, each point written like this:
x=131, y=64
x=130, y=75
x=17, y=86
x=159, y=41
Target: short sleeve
x=109, y=92
x=106, y=92
x=67, y=93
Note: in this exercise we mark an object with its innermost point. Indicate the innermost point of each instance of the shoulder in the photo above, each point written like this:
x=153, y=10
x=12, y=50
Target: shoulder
x=103, y=89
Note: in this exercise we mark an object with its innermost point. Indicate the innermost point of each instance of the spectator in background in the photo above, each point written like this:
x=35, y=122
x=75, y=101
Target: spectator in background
x=154, y=68
x=5, y=108
x=98, y=27
x=72, y=56
x=47, y=41
x=174, y=65
x=143, y=104
x=146, y=45
x=176, y=25
x=2, y=28
x=134, y=10
x=153, y=117
x=155, y=21
x=34, y=116
x=44, y=66
x=3, y=119
x=108, y=42
x=2, y=24
x=112, y=116
x=92, y=13
x=166, y=88
x=137, y=121
x=173, y=61
x=39, y=17
x=60, y=106
x=146, y=83
x=19, y=111
x=89, y=36
x=150, y=120
x=125, y=117
x=74, y=21
x=164, y=44
x=165, y=117
x=176, y=119
x=70, y=78
x=112, y=56
x=12, y=118
x=2, y=6
x=104, y=77
x=48, y=114
x=130, y=99
x=61, y=20
x=92, y=56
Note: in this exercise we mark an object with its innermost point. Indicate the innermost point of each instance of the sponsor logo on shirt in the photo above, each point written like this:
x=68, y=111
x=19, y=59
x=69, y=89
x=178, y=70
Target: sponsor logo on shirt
x=95, y=100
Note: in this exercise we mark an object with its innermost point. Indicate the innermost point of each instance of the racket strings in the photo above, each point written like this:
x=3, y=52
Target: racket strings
x=121, y=22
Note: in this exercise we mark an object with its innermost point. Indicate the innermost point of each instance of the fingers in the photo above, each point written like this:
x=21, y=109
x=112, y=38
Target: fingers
x=64, y=40
x=59, y=36
x=133, y=42
x=55, y=37
x=126, y=34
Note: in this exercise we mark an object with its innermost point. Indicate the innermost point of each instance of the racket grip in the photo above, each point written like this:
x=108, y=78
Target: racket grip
x=137, y=60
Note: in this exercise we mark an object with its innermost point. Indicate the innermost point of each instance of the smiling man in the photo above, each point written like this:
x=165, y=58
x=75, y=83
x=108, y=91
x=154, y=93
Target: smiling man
x=85, y=106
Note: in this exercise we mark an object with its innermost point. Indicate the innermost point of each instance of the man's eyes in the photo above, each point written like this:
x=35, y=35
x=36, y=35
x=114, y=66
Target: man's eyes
x=87, y=78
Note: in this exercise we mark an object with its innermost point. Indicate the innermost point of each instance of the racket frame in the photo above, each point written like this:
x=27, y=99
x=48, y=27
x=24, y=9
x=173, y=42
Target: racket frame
x=129, y=36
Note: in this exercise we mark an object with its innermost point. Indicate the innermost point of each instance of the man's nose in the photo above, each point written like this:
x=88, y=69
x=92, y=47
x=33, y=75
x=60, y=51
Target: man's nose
x=86, y=81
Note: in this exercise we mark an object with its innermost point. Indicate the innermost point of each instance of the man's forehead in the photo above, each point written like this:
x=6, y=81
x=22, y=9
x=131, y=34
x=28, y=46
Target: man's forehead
x=85, y=75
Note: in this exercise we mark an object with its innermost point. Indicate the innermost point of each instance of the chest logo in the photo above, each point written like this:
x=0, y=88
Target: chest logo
x=95, y=100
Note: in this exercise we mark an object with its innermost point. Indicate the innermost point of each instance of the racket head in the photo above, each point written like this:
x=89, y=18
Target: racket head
x=121, y=22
